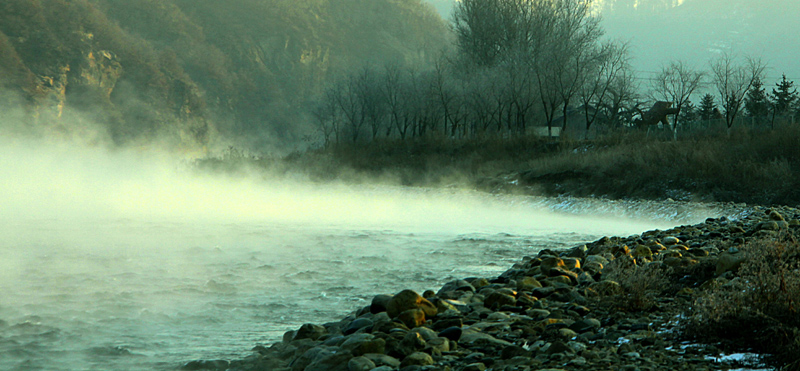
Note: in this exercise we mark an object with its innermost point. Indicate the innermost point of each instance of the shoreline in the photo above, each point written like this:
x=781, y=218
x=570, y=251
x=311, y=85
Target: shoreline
x=616, y=303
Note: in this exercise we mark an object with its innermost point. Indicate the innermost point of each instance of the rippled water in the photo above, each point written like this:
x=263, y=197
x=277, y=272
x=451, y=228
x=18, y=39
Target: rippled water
x=134, y=293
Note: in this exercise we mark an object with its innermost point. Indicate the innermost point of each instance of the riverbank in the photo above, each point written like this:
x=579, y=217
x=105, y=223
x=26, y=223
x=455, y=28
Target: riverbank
x=684, y=298
x=746, y=166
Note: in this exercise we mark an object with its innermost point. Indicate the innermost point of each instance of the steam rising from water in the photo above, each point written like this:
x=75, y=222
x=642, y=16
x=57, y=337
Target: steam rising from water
x=125, y=259
x=69, y=184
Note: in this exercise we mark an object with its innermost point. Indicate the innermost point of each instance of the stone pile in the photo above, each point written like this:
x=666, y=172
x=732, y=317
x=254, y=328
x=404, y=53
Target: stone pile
x=548, y=312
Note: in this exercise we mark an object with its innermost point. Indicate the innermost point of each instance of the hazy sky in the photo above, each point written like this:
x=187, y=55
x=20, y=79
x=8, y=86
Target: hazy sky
x=696, y=31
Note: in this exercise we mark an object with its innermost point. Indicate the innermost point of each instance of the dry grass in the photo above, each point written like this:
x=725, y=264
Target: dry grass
x=757, y=310
x=760, y=167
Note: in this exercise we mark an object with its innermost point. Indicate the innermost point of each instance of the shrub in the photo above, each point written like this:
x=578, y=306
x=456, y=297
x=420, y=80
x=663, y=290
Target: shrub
x=640, y=284
x=758, y=309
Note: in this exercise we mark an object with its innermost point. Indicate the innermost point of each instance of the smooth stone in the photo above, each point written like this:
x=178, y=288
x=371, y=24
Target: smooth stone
x=417, y=359
x=408, y=299
x=381, y=360
x=451, y=333
x=528, y=283
x=571, y=263
x=310, y=331
x=586, y=324
x=358, y=324
x=379, y=303
x=425, y=333
x=334, y=362
x=550, y=263
x=441, y=344
x=670, y=240
x=412, y=318
x=475, y=367
x=497, y=300
x=456, y=285
x=558, y=346
x=360, y=364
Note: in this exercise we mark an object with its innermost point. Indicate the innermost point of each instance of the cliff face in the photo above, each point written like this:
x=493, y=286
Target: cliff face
x=193, y=71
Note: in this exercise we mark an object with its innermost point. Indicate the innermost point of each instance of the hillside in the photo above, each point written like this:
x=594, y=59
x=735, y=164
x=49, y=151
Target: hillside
x=195, y=72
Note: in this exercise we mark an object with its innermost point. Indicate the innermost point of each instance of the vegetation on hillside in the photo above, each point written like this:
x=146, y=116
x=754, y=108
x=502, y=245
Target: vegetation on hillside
x=240, y=68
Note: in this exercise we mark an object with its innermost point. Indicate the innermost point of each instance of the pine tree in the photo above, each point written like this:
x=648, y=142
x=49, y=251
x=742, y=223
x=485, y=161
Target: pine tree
x=688, y=112
x=707, y=107
x=756, y=103
x=784, y=97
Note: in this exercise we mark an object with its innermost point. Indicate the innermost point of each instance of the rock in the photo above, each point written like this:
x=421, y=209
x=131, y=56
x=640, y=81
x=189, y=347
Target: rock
x=543, y=292
x=334, y=362
x=527, y=284
x=457, y=285
x=768, y=226
x=379, y=303
x=475, y=337
x=440, y=344
x=496, y=300
x=514, y=351
x=310, y=331
x=215, y=365
x=452, y=333
x=670, y=240
x=642, y=251
x=558, y=281
x=425, y=333
x=578, y=252
x=776, y=216
x=360, y=364
x=417, y=359
x=358, y=324
x=729, y=261
x=537, y=314
x=411, y=343
x=381, y=360
x=550, y=263
x=584, y=325
x=475, y=367
x=559, y=347
x=479, y=282
x=412, y=318
x=571, y=263
x=360, y=345
x=585, y=279
x=408, y=299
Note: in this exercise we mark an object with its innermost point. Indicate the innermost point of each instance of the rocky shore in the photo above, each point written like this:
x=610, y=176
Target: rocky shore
x=618, y=303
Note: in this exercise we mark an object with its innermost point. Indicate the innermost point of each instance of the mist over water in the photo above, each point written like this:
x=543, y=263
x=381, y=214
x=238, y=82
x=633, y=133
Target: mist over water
x=127, y=259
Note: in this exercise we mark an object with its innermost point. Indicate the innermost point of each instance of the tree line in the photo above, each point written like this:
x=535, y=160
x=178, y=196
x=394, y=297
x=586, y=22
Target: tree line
x=520, y=67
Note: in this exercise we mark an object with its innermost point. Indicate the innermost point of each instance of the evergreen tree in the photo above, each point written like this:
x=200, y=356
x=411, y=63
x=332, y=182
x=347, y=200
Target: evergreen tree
x=756, y=103
x=707, y=107
x=784, y=97
x=689, y=112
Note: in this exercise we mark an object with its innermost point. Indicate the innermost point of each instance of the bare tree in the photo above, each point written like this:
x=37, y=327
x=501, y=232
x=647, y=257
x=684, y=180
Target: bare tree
x=676, y=83
x=732, y=80
x=599, y=84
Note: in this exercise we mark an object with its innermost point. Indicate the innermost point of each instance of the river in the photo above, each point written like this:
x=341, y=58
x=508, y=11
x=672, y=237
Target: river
x=111, y=265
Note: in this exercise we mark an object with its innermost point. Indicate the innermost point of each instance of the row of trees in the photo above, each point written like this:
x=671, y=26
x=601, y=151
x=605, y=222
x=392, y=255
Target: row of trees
x=516, y=62
x=522, y=65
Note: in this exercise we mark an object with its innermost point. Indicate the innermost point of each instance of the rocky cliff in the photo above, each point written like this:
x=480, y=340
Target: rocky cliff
x=192, y=72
